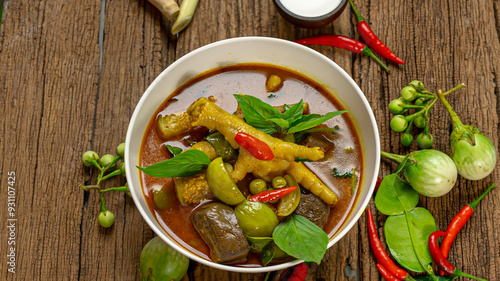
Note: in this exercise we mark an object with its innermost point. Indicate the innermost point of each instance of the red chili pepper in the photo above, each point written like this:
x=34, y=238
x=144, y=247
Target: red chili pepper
x=458, y=222
x=441, y=261
x=271, y=195
x=379, y=252
x=299, y=273
x=377, y=185
x=386, y=274
x=343, y=42
x=372, y=40
x=256, y=147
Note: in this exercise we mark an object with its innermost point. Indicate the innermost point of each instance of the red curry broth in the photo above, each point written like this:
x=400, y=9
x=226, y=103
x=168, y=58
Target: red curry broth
x=250, y=79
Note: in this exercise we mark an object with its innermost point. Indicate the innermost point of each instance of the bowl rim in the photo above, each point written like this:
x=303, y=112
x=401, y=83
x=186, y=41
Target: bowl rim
x=129, y=163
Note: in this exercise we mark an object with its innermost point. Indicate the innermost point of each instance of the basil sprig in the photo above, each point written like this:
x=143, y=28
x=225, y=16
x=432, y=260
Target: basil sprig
x=187, y=163
x=174, y=150
x=268, y=119
x=300, y=238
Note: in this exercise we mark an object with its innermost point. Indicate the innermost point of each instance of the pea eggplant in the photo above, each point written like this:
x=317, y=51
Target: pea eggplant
x=472, y=152
x=430, y=172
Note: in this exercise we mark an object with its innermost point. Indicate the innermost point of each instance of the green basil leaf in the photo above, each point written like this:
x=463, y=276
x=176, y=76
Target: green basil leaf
x=306, y=118
x=280, y=122
x=267, y=254
x=187, y=163
x=258, y=243
x=395, y=196
x=407, y=237
x=300, y=238
x=174, y=150
x=295, y=112
x=298, y=159
x=333, y=130
x=314, y=122
x=255, y=108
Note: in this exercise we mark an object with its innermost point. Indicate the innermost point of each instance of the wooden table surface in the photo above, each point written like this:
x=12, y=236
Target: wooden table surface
x=66, y=88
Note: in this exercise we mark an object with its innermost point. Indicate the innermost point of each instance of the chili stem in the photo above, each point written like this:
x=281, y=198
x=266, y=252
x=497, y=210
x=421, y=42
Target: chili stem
x=368, y=52
x=358, y=17
x=393, y=157
x=474, y=204
x=463, y=274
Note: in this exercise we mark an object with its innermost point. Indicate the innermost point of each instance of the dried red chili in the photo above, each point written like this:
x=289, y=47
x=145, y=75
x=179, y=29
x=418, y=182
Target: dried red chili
x=272, y=195
x=372, y=40
x=379, y=252
x=441, y=261
x=458, y=222
x=386, y=274
x=256, y=147
x=343, y=42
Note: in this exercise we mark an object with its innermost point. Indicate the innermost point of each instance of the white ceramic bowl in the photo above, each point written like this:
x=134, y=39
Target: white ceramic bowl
x=261, y=50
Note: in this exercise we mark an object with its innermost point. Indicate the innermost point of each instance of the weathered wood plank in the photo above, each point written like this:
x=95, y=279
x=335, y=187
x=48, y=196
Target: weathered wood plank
x=134, y=53
x=49, y=59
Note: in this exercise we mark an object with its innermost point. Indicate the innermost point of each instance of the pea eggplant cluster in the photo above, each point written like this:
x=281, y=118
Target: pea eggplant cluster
x=106, y=165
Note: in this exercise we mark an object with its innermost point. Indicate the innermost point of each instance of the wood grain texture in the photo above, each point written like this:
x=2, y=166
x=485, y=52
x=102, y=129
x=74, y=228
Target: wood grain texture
x=56, y=103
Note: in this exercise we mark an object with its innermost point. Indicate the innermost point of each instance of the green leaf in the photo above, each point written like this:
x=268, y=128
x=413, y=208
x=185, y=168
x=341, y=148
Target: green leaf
x=295, y=112
x=187, y=163
x=346, y=175
x=298, y=159
x=333, y=130
x=267, y=254
x=395, y=196
x=280, y=122
x=300, y=238
x=314, y=121
x=256, y=111
x=306, y=118
x=258, y=243
x=407, y=237
x=174, y=150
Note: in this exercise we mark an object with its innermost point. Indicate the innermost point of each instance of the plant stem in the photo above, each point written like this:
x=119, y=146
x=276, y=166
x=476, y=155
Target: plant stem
x=103, y=206
x=424, y=96
x=463, y=274
x=368, y=52
x=112, y=164
x=112, y=174
x=455, y=121
x=96, y=165
x=120, y=188
x=393, y=157
x=474, y=204
x=358, y=17
x=459, y=86
x=87, y=187
x=414, y=106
